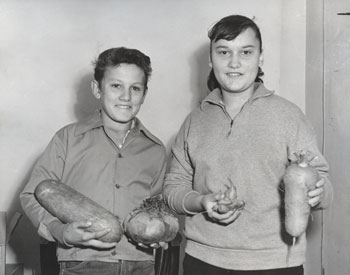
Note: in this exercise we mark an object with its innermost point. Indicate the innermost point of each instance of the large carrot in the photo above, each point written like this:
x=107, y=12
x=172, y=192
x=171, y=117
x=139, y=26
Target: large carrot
x=299, y=179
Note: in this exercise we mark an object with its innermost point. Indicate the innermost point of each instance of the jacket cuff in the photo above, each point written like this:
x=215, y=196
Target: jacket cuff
x=183, y=202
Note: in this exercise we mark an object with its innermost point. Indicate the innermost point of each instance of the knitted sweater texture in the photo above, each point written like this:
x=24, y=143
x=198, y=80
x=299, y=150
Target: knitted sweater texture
x=253, y=150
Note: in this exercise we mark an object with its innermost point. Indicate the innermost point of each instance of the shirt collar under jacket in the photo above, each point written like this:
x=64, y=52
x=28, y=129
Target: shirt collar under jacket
x=215, y=96
x=95, y=121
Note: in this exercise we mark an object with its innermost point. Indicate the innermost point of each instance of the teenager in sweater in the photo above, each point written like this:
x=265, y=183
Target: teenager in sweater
x=244, y=133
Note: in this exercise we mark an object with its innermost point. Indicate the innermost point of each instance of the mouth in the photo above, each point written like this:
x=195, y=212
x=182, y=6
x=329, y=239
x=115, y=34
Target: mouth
x=123, y=106
x=233, y=74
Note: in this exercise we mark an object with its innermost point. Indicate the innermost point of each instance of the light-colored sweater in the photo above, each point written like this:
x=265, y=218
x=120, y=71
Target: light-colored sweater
x=253, y=150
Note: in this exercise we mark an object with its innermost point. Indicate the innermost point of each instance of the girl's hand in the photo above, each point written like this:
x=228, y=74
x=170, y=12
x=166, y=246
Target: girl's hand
x=316, y=195
x=75, y=234
x=210, y=202
x=226, y=218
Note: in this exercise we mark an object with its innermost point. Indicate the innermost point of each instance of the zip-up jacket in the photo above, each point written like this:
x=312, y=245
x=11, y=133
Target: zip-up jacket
x=252, y=150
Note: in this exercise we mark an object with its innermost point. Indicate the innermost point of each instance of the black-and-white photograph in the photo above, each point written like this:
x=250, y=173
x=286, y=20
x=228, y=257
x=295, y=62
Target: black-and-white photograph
x=174, y=137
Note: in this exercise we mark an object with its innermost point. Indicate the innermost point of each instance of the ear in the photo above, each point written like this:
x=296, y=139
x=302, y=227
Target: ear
x=95, y=89
x=261, y=59
x=210, y=63
x=144, y=96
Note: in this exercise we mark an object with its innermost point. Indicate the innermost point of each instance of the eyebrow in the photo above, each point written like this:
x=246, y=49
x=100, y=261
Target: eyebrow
x=227, y=47
x=121, y=81
x=221, y=46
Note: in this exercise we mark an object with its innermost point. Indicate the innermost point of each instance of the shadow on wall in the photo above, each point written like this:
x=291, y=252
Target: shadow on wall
x=200, y=64
x=24, y=242
x=85, y=103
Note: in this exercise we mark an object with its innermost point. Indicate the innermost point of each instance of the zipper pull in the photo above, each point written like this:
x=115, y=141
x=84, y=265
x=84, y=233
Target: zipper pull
x=230, y=130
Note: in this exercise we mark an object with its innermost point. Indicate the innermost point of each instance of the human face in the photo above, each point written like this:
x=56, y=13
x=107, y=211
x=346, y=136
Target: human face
x=121, y=93
x=235, y=63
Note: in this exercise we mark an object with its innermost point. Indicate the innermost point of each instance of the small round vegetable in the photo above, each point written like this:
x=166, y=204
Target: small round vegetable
x=230, y=201
x=68, y=205
x=299, y=179
x=151, y=223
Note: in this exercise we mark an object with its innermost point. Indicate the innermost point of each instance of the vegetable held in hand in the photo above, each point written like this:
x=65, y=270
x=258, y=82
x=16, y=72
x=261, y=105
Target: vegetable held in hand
x=68, y=205
x=230, y=201
x=151, y=223
x=299, y=179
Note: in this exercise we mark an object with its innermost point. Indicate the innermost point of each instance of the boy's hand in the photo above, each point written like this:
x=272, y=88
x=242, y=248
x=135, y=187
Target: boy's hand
x=163, y=245
x=75, y=234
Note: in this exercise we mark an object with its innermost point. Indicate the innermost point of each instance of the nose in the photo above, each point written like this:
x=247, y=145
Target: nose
x=125, y=95
x=235, y=61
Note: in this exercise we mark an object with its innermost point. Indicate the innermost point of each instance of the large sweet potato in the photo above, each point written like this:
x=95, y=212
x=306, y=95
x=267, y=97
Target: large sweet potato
x=68, y=205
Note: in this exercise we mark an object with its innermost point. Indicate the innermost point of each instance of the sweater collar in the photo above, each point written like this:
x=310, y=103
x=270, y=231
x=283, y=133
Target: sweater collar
x=215, y=96
x=95, y=121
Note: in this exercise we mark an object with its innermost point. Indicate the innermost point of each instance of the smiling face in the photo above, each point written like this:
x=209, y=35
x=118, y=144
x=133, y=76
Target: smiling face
x=235, y=62
x=121, y=93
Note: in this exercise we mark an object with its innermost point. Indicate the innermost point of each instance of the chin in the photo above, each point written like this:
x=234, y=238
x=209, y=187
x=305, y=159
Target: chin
x=124, y=121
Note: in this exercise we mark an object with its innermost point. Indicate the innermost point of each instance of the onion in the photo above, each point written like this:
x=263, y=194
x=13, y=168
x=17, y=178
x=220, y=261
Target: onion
x=230, y=201
x=152, y=222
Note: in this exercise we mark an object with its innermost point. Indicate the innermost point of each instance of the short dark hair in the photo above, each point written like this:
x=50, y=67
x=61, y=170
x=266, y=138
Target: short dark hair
x=229, y=28
x=116, y=56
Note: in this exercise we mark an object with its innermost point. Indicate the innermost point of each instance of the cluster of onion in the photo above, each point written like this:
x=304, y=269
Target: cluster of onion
x=230, y=201
x=152, y=222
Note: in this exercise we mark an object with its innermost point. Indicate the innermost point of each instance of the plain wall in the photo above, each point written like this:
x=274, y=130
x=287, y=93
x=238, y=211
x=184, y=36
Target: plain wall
x=336, y=235
x=315, y=111
x=46, y=54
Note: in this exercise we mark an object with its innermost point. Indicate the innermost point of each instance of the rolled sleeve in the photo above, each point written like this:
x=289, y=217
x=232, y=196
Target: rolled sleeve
x=179, y=179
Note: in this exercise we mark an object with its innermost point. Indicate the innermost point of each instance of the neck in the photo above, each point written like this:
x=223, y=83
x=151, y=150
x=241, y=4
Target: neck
x=119, y=134
x=114, y=125
x=120, y=128
x=236, y=100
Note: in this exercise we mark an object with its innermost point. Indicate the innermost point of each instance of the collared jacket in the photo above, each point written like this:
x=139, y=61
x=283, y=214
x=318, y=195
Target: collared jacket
x=83, y=156
x=252, y=150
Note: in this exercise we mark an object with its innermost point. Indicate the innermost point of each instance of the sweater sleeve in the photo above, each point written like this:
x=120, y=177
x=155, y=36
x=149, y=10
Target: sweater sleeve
x=305, y=140
x=178, y=180
x=49, y=166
